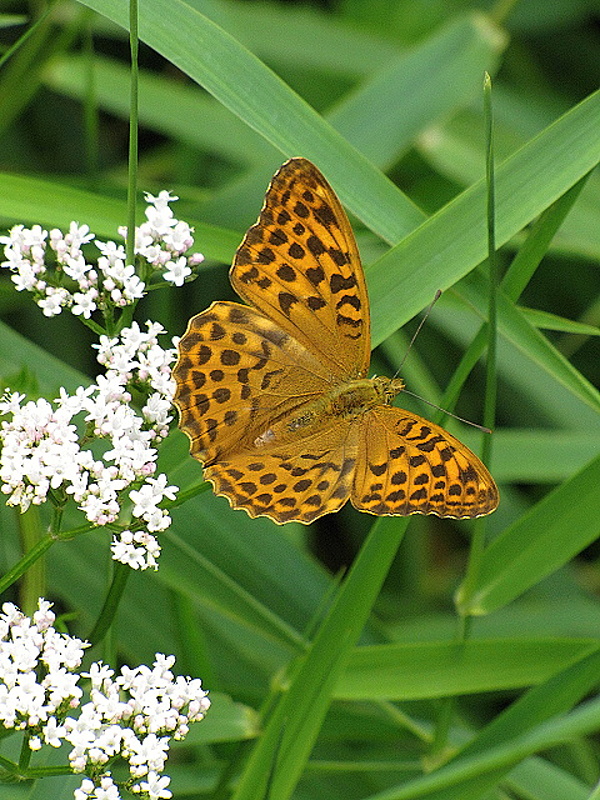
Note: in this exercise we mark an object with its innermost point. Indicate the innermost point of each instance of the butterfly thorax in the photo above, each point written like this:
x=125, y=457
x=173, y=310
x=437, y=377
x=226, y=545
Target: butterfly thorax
x=347, y=401
x=354, y=398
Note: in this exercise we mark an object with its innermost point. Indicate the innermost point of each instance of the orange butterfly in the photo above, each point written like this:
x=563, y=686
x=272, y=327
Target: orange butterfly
x=274, y=395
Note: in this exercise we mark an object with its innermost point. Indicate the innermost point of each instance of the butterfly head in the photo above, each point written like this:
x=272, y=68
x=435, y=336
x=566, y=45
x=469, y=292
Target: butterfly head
x=387, y=388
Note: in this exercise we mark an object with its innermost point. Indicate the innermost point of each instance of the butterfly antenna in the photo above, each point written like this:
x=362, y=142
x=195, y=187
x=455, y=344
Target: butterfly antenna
x=438, y=294
x=449, y=413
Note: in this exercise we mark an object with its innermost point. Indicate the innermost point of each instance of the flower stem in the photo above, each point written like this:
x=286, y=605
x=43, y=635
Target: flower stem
x=121, y=573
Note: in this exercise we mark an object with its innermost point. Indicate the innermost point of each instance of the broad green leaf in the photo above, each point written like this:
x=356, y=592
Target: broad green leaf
x=302, y=36
x=178, y=110
x=47, y=202
x=542, y=718
x=550, y=402
x=542, y=540
x=453, y=241
x=49, y=372
x=225, y=721
x=514, y=326
x=297, y=718
x=33, y=200
x=382, y=117
x=538, y=239
x=446, y=68
x=538, y=779
x=456, y=149
x=442, y=669
x=235, y=77
x=540, y=455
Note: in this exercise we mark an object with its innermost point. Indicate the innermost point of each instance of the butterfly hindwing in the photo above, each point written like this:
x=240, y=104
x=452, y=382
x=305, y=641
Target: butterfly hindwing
x=291, y=481
x=407, y=465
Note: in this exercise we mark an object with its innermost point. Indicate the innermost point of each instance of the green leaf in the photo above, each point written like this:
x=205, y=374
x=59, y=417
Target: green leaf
x=536, y=721
x=514, y=326
x=542, y=540
x=537, y=779
x=443, y=669
x=453, y=240
x=295, y=723
x=383, y=116
x=235, y=77
x=225, y=721
x=532, y=455
x=181, y=111
x=18, y=353
x=51, y=203
x=552, y=322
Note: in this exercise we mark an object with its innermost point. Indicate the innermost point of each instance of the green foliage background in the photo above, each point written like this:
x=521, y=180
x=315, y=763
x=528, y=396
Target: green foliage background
x=371, y=686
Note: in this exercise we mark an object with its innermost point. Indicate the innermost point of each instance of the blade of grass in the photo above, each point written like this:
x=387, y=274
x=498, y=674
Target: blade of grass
x=552, y=322
x=453, y=241
x=183, y=112
x=382, y=117
x=33, y=200
x=302, y=708
x=535, y=722
x=440, y=669
x=538, y=240
x=539, y=542
x=218, y=62
x=514, y=326
x=445, y=247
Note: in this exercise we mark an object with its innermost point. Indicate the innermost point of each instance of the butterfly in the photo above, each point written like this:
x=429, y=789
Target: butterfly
x=274, y=394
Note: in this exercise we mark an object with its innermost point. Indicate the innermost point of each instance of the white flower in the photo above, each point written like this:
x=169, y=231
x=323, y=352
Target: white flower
x=53, y=732
x=126, y=549
x=54, y=301
x=177, y=271
x=75, y=267
x=111, y=250
x=157, y=409
x=195, y=259
x=108, y=790
x=78, y=235
x=133, y=715
x=179, y=238
x=44, y=616
x=149, y=754
x=85, y=790
x=161, y=240
x=84, y=304
x=161, y=200
x=26, y=277
x=41, y=448
x=156, y=786
x=99, y=673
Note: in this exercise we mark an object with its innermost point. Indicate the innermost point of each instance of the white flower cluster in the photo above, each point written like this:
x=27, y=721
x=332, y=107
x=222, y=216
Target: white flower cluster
x=42, y=450
x=110, y=282
x=132, y=716
x=163, y=240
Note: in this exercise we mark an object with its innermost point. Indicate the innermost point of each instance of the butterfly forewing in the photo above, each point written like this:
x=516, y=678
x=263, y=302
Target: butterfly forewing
x=300, y=266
